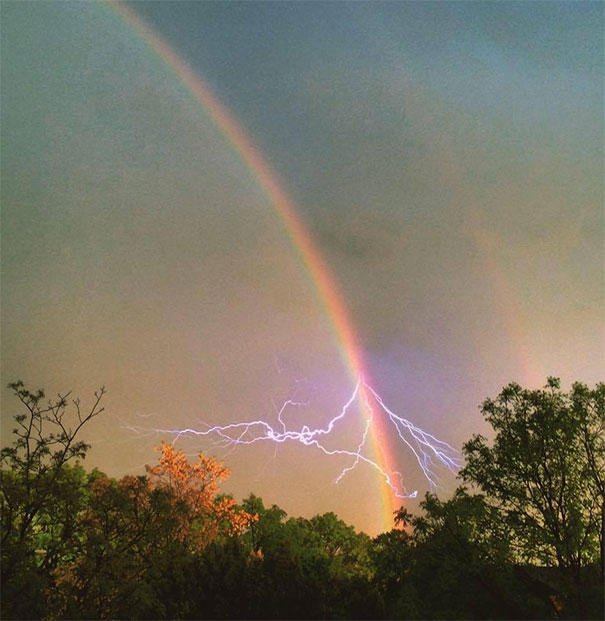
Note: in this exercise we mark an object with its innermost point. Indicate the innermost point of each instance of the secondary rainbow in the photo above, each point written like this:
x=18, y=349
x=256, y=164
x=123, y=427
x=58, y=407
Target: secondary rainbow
x=325, y=284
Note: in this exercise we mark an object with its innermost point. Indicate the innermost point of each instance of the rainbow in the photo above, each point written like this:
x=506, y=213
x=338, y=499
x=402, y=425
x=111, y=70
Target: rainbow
x=325, y=284
x=451, y=174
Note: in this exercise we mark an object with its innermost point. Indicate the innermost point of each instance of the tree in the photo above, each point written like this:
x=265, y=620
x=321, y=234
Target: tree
x=339, y=542
x=122, y=527
x=305, y=568
x=454, y=563
x=40, y=495
x=392, y=556
x=140, y=537
x=465, y=541
x=263, y=532
x=200, y=513
x=544, y=472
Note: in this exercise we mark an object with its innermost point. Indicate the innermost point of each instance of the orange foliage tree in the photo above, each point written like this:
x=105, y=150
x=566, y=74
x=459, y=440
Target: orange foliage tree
x=199, y=512
x=136, y=524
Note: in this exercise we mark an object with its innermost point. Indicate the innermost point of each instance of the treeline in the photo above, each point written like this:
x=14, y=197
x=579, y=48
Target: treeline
x=522, y=538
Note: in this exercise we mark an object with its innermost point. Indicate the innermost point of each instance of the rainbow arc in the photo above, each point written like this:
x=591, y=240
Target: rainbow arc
x=325, y=285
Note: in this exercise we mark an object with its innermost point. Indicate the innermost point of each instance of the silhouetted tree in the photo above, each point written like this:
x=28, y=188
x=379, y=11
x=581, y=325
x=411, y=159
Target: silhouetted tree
x=40, y=495
x=167, y=545
x=543, y=471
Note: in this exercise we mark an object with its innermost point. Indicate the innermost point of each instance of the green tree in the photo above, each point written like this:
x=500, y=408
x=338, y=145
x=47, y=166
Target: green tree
x=347, y=549
x=124, y=526
x=306, y=568
x=40, y=494
x=543, y=471
x=267, y=528
x=392, y=558
x=454, y=563
x=465, y=541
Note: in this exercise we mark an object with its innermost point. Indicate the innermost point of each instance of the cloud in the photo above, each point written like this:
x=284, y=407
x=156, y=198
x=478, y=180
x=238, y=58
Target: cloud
x=362, y=236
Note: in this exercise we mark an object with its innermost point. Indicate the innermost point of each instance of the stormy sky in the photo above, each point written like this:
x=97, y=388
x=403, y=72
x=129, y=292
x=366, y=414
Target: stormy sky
x=447, y=159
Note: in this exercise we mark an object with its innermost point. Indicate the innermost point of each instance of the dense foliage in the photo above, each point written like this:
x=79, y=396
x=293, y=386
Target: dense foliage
x=522, y=538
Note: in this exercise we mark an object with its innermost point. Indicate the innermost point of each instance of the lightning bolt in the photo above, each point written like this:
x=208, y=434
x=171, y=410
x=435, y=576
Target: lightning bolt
x=428, y=451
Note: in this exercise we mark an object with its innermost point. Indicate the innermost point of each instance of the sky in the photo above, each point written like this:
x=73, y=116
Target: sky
x=446, y=159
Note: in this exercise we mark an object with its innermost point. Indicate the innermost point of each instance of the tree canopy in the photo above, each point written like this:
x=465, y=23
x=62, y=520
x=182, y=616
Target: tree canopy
x=522, y=537
x=545, y=470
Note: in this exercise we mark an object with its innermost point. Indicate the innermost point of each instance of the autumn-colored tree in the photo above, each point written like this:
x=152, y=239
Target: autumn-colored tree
x=137, y=528
x=199, y=512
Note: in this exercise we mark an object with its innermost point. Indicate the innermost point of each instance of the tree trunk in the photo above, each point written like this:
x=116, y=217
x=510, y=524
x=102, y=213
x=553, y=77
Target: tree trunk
x=603, y=541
